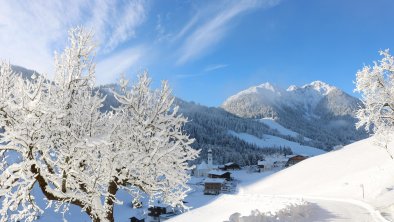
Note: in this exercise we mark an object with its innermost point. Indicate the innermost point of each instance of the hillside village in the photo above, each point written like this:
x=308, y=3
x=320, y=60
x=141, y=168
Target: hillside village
x=209, y=180
x=218, y=178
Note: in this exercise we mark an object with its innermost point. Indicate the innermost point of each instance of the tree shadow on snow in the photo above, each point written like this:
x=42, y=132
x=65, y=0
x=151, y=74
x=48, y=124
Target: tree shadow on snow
x=309, y=212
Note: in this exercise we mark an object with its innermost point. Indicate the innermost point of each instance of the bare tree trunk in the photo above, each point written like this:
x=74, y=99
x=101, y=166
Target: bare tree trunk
x=112, y=189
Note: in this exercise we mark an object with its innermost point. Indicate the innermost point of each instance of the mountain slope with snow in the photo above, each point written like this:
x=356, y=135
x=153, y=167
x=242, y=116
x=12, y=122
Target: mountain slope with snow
x=317, y=110
x=355, y=183
x=271, y=123
x=274, y=141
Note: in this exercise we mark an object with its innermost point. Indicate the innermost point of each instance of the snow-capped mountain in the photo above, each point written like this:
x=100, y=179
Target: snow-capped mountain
x=317, y=110
x=255, y=101
x=315, y=100
x=320, y=99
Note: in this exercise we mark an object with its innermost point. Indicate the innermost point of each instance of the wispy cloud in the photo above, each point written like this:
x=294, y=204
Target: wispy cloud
x=215, y=67
x=210, y=31
x=111, y=67
x=30, y=31
x=125, y=25
x=162, y=32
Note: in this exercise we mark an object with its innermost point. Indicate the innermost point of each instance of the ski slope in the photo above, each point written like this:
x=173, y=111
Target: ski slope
x=274, y=141
x=271, y=123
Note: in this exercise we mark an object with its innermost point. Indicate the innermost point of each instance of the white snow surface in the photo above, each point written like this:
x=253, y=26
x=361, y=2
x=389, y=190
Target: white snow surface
x=338, y=174
x=332, y=182
x=319, y=86
x=225, y=205
x=267, y=90
x=271, y=123
x=274, y=141
x=221, y=208
x=309, y=94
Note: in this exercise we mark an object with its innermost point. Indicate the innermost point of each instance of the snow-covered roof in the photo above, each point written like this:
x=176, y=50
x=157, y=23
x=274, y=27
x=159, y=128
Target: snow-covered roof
x=202, y=166
x=217, y=172
x=214, y=180
x=265, y=162
x=229, y=164
x=290, y=156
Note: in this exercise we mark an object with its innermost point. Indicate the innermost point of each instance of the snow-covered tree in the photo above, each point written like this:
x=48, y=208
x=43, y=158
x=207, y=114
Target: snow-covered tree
x=55, y=138
x=376, y=84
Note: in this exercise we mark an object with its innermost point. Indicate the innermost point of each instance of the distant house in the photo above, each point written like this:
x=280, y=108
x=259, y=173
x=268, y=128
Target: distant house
x=160, y=212
x=213, y=186
x=219, y=174
x=230, y=166
x=156, y=211
x=295, y=159
x=264, y=165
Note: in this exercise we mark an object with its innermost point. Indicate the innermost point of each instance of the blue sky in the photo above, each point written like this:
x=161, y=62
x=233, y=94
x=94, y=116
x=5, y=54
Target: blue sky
x=208, y=50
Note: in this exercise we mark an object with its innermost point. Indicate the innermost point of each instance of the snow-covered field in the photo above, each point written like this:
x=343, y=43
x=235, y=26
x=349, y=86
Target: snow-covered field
x=219, y=208
x=355, y=183
x=274, y=141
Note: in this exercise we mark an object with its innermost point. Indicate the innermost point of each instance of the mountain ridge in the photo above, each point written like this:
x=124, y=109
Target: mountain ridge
x=316, y=110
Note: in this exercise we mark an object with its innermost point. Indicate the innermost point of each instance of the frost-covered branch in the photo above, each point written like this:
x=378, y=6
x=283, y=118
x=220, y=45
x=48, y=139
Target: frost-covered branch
x=78, y=155
x=376, y=84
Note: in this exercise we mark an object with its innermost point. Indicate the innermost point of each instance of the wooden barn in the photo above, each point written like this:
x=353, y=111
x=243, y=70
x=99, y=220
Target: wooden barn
x=219, y=174
x=213, y=186
x=230, y=166
x=295, y=159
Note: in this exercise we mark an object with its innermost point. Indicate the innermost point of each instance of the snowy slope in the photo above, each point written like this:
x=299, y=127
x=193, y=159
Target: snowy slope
x=276, y=126
x=334, y=182
x=346, y=172
x=274, y=141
